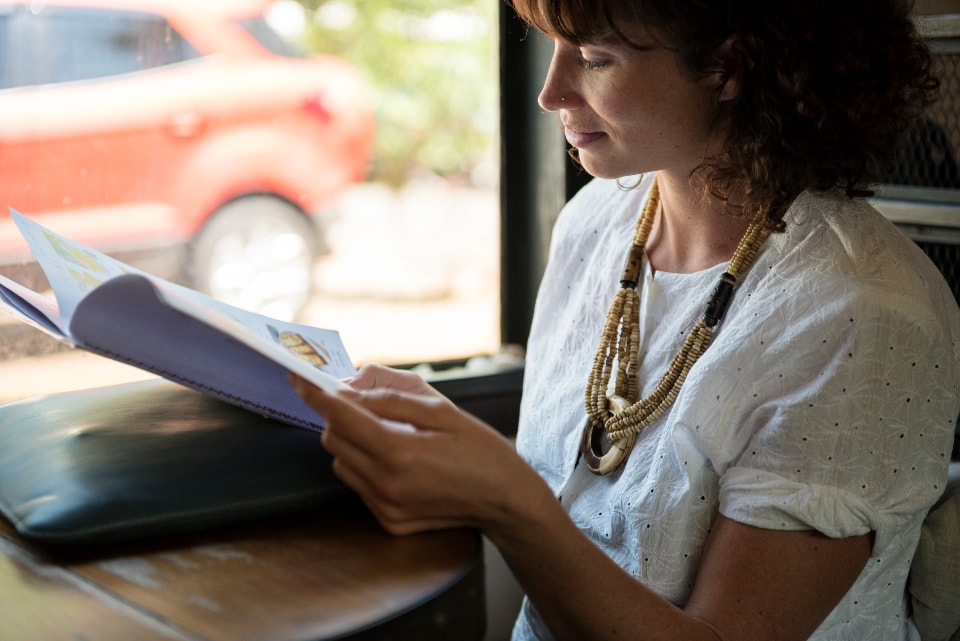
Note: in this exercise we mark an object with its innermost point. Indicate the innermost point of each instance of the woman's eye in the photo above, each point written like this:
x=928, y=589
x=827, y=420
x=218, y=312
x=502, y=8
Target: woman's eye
x=591, y=65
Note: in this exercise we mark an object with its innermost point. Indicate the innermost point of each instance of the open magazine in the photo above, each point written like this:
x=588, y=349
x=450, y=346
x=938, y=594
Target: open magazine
x=109, y=308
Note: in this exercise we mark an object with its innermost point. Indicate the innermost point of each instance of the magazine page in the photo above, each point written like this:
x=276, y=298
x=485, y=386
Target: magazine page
x=314, y=353
x=72, y=269
x=115, y=310
x=290, y=343
x=30, y=307
x=129, y=320
x=264, y=350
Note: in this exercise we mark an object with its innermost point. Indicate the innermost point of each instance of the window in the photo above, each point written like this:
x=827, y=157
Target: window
x=268, y=169
x=69, y=44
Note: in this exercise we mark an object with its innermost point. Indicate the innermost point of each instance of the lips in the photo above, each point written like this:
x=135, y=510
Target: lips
x=580, y=138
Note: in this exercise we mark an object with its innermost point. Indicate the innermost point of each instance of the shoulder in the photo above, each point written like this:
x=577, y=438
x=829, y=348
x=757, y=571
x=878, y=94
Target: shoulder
x=845, y=250
x=853, y=232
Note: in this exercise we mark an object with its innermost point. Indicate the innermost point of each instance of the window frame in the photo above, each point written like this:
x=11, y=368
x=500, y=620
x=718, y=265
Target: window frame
x=537, y=176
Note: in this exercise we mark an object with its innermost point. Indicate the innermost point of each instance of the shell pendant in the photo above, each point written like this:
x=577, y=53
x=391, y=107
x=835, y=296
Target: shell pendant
x=597, y=460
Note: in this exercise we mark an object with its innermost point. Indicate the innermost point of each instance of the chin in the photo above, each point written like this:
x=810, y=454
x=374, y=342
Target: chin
x=604, y=168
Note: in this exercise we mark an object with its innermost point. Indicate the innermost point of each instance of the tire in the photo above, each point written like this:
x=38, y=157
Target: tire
x=256, y=253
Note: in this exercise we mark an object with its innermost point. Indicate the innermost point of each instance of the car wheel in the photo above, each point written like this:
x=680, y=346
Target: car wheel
x=257, y=253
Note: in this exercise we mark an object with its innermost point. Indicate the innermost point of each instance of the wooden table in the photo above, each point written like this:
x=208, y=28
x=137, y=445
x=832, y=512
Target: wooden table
x=292, y=579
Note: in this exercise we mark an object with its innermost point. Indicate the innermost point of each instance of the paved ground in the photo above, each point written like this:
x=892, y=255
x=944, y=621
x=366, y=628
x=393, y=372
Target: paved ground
x=413, y=277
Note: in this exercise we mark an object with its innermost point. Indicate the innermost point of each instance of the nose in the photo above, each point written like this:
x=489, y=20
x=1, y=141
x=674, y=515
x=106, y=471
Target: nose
x=556, y=93
x=550, y=100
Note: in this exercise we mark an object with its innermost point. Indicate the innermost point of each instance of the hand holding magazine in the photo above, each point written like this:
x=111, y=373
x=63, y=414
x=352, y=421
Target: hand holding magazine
x=109, y=308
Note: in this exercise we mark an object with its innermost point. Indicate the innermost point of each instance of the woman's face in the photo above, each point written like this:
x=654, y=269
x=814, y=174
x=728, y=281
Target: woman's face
x=628, y=111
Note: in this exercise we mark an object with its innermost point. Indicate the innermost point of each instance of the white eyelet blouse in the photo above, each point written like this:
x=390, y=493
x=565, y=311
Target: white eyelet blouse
x=826, y=401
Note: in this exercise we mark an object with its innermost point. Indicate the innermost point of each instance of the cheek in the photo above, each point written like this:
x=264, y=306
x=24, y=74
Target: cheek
x=654, y=107
x=656, y=124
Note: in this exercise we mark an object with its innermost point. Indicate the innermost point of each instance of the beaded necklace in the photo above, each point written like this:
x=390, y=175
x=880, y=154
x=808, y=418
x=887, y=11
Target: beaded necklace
x=619, y=345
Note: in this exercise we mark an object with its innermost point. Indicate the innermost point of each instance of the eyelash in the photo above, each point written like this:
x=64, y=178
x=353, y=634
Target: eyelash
x=591, y=65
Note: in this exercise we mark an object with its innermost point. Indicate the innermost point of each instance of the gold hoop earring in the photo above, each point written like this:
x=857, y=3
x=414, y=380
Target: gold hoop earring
x=623, y=187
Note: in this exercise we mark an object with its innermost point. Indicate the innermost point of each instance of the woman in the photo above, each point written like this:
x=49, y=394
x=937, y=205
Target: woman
x=771, y=382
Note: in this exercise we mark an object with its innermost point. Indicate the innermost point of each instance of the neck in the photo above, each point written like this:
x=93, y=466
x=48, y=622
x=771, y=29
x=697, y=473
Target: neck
x=692, y=231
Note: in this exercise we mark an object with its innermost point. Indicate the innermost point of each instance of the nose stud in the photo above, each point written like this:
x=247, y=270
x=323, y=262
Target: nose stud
x=563, y=98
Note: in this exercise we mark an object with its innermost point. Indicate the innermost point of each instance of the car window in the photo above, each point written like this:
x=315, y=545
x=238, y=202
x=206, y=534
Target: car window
x=65, y=44
x=4, y=37
x=267, y=37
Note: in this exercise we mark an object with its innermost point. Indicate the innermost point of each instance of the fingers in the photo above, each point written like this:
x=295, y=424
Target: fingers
x=362, y=429
x=391, y=394
x=361, y=444
x=373, y=376
x=396, y=517
x=426, y=412
x=376, y=462
x=434, y=475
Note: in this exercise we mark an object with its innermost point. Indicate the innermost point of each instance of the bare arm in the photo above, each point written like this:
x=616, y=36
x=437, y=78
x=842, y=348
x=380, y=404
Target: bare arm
x=752, y=584
x=454, y=471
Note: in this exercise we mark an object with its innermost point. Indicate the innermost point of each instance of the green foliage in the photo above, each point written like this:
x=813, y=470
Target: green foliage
x=431, y=66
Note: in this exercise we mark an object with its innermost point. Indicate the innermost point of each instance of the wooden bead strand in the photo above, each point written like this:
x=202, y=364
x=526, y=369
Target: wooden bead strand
x=613, y=418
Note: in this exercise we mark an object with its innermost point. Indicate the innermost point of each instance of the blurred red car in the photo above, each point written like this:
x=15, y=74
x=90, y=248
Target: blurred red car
x=153, y=129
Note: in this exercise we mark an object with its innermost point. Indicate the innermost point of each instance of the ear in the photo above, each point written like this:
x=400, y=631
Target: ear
x=734, y=66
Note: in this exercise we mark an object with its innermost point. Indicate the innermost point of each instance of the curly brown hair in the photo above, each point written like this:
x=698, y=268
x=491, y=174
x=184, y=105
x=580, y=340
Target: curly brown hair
x=831, y=89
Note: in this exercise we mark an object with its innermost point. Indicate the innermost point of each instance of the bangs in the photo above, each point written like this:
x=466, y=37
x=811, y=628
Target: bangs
x=575, y=21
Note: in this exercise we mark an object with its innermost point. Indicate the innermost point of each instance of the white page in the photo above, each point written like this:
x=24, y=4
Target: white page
x=315, y=354
x=73, y=270
x=30, y=307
